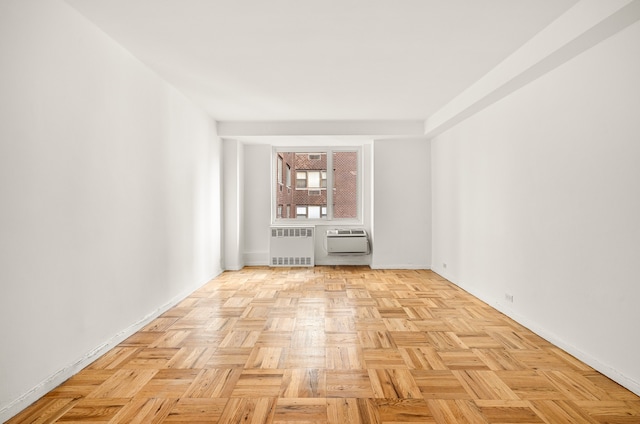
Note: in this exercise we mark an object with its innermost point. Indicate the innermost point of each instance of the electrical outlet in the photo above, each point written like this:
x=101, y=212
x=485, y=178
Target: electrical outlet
x=508, y=297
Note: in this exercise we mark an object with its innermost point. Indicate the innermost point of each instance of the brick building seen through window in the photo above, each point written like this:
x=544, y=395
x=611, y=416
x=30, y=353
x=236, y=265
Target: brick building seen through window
x=302, y=183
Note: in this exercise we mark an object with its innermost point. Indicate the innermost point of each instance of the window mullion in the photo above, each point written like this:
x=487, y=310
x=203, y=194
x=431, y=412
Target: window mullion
x=329, y=184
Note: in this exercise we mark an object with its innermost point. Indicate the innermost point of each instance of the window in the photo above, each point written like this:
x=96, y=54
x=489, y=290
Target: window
x=301, y=179
x=280, y=175
x=301, y=211
x=314, y=212
x=311, y=211
x=311, y=179
x=311, y=174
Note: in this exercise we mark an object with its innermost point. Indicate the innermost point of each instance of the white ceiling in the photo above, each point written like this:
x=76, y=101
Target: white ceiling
x=288, y=60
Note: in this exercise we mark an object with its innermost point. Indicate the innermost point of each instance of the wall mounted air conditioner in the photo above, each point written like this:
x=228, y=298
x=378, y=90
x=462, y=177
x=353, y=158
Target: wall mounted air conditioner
x=347, y=242
x=292, y=246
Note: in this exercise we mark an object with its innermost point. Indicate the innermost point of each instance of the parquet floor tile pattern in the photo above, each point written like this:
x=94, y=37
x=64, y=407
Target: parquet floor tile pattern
x=335, y=345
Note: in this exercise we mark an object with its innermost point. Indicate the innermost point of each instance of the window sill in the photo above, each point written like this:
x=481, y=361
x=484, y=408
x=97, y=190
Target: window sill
x=318, y=222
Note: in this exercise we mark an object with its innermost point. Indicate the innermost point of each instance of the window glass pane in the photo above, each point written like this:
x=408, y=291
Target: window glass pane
x=313, y=180
x=345, y=184
x=283, y=196
x=301, y=179
x=314, y=212
x=288, y=175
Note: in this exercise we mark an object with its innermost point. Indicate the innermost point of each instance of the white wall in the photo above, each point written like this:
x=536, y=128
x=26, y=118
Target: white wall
x=402, y=204
x=537, y=197
x=397, y=214
x=233, y=194
x=110, y=191
x=257, y=203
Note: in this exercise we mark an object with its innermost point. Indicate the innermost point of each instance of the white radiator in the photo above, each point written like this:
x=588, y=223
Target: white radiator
x=347, y=242
x=292, y=246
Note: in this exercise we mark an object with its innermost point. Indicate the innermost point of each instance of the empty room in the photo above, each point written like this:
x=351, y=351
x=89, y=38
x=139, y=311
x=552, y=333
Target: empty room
x=337, y=211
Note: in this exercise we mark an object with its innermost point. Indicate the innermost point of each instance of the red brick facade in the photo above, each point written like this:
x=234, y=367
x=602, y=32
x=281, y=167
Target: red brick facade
x=345, y=191
x=301, y=184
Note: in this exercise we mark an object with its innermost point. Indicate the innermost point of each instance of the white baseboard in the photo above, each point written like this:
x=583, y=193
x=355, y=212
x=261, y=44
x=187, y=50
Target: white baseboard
x=400, y=266
x=256, y=258
x=63, y=374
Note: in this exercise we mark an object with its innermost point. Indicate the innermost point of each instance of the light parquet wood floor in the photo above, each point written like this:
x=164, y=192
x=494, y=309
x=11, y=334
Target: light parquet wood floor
x=335, y=345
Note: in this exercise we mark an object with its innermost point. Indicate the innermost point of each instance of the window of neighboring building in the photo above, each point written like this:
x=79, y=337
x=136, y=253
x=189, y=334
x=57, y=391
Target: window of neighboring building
x=309, y=172
x=280, y=161
x=314, y=212
x=311, y=179
x=301, y=179
x=301, y=211
x=311, y=211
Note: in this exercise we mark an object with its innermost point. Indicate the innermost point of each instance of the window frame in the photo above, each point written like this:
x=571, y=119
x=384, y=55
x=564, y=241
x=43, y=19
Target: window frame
x=328, y=217
x=288, y=176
